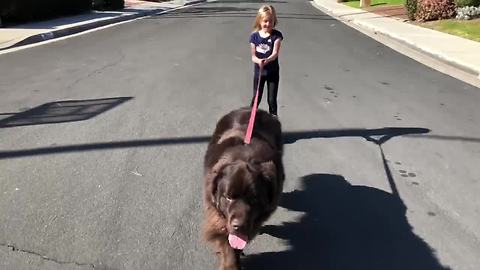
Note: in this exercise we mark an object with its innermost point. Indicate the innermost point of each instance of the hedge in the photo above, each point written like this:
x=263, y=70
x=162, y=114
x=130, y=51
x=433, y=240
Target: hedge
x=29, y=10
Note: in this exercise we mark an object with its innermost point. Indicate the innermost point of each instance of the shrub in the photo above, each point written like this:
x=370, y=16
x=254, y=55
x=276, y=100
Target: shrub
x=467, y=3
x=428, y=10
x=98, y=4
x=468, y=13
x=27, y=10
x=116, y=4
x=411, y=6
x=11, y=10
x=108, y=4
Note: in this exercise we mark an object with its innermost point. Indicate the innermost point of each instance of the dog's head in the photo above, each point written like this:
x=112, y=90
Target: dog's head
x=245, y=193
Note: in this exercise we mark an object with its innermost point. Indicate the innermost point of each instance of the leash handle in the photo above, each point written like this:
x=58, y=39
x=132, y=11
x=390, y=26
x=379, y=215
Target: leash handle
x=251, y=122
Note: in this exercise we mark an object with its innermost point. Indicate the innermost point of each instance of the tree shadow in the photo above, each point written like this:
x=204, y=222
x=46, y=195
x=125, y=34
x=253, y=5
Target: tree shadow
x=62, y=111
x=207, y=10
x=212, y=10
x=345, y=227
x=378, y=4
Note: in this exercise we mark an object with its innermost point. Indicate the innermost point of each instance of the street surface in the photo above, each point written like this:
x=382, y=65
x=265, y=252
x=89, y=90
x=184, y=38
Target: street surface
x=102, y=138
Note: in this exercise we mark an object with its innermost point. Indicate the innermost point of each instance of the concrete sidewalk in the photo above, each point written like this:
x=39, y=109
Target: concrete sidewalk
x=30, y=33
x=459, y=52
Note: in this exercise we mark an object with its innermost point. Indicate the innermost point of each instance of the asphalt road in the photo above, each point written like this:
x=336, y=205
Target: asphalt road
x=102, y=138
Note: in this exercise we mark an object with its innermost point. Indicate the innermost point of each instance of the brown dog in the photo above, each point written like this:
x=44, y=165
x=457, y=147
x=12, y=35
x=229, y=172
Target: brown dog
x=243, y=183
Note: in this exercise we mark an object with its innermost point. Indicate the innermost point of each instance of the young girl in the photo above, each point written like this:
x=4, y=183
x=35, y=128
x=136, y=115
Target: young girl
x=265, y=42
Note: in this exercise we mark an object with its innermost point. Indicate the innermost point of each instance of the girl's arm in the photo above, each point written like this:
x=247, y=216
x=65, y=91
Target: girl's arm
x=276, y=51
x=255, y=59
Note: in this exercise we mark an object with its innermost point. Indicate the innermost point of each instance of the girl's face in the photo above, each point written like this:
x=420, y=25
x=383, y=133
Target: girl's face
x=266, y=23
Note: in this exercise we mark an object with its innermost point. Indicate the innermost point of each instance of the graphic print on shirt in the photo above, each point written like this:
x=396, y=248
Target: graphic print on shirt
x=263, y=48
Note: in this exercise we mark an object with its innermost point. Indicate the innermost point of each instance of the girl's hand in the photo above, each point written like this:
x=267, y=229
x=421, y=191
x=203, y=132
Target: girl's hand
x=262, y=63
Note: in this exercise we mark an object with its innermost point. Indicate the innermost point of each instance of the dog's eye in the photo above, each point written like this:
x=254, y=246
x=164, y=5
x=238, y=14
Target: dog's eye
x=228, y=198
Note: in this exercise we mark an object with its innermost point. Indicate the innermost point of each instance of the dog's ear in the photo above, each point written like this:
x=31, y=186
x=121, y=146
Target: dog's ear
x=269, y=173
x=214, y=194
x=268, y=170
x=215, y=175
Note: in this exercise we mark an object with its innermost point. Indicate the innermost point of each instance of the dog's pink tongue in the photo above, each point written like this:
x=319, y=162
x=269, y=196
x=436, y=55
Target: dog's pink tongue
x=237, y=242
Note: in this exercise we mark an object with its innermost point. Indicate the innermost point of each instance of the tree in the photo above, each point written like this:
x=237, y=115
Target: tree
x=365, y=3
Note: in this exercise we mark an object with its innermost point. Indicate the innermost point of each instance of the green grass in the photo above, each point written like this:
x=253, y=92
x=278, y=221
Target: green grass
x=356, y=4
x=467, y=29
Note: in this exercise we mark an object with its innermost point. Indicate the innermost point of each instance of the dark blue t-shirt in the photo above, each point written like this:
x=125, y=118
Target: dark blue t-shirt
x=264, y=48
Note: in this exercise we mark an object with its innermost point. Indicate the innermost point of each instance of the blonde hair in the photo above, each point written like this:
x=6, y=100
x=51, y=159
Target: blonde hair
x=262, y=12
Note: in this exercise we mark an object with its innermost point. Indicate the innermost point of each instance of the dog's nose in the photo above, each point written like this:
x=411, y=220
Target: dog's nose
x=236, y=224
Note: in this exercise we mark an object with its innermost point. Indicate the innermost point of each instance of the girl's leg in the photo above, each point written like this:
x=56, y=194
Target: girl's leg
x=255, y=83
x=272, y=84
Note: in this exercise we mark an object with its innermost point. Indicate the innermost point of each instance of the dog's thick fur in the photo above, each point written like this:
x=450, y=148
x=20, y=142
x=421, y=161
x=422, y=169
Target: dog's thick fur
x=242, y=183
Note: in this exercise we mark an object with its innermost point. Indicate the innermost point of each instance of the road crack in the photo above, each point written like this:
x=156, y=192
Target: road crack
x=16, y=249
x=98, y=70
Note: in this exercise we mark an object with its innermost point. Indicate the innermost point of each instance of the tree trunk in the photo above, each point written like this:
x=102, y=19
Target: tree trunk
x=365, y=3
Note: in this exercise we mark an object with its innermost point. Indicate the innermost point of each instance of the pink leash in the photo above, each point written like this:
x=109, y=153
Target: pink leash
x=251, y=122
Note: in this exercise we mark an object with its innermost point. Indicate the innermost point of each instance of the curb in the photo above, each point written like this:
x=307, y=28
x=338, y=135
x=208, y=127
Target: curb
x=92, y=25
x=401, y=40
x=411, y=45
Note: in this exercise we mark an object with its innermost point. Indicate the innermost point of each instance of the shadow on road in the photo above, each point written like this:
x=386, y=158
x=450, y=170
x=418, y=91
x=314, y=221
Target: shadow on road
x=249, y=1
x=378, y=136
x=234, y=12
x=381, y=135
x=289, y=137
x=62, y=111
x=208, y=10
x=345, y=227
